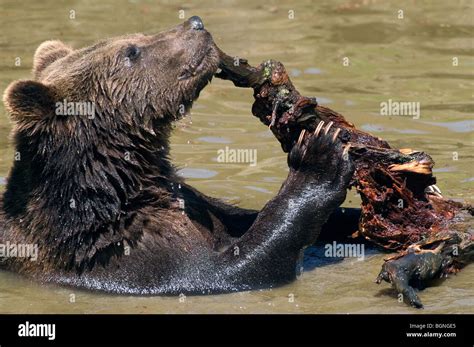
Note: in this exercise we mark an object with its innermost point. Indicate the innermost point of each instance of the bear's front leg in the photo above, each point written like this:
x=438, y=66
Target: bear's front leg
x=320, y=172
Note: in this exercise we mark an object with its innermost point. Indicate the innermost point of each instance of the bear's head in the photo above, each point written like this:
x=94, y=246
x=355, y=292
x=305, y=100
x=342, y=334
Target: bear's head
x=137, y=77
x=91, y=134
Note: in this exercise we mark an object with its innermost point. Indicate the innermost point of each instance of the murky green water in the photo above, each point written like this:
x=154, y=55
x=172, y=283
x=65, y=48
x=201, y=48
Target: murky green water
x=409, y=59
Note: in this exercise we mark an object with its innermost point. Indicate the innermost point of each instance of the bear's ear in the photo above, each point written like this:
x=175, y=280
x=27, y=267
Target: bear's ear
x=29, y=99
x=47, y=53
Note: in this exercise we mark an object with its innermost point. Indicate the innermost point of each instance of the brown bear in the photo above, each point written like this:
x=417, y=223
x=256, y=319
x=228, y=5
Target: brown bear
x=98, y=195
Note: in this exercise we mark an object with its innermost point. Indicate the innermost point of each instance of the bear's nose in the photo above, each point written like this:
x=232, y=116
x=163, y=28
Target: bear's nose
x=196, y=23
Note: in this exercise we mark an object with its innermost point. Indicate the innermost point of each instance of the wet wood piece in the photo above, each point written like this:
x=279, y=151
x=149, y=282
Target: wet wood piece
x=401, y=208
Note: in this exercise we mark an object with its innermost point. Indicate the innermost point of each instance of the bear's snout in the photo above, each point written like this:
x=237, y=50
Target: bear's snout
x=195, y=22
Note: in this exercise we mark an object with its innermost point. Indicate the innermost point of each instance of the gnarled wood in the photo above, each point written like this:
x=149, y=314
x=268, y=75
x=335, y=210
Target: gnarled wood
x=400, y=210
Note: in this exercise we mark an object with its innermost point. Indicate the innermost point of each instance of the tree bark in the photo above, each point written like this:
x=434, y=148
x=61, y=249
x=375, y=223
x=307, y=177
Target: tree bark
x=401, y=208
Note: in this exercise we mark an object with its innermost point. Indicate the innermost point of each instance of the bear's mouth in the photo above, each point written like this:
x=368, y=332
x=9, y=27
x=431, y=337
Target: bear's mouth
x=197, y=65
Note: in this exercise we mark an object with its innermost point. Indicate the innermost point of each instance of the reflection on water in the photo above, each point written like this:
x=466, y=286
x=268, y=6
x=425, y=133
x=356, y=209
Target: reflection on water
x=313, y=71
x=196, y=173
x=213, y=139
x=444, y=169
x=378, y=128
x=389, y=58
x=258, y=189
x=464, y=126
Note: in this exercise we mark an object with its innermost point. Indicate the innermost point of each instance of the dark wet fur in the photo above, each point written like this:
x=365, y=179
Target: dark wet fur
x=101, y=199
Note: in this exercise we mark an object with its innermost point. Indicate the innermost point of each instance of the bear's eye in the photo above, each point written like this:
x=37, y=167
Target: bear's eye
x=132, y=52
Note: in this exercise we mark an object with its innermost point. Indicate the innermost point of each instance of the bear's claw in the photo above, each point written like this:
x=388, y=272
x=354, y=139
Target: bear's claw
x=321, y=153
